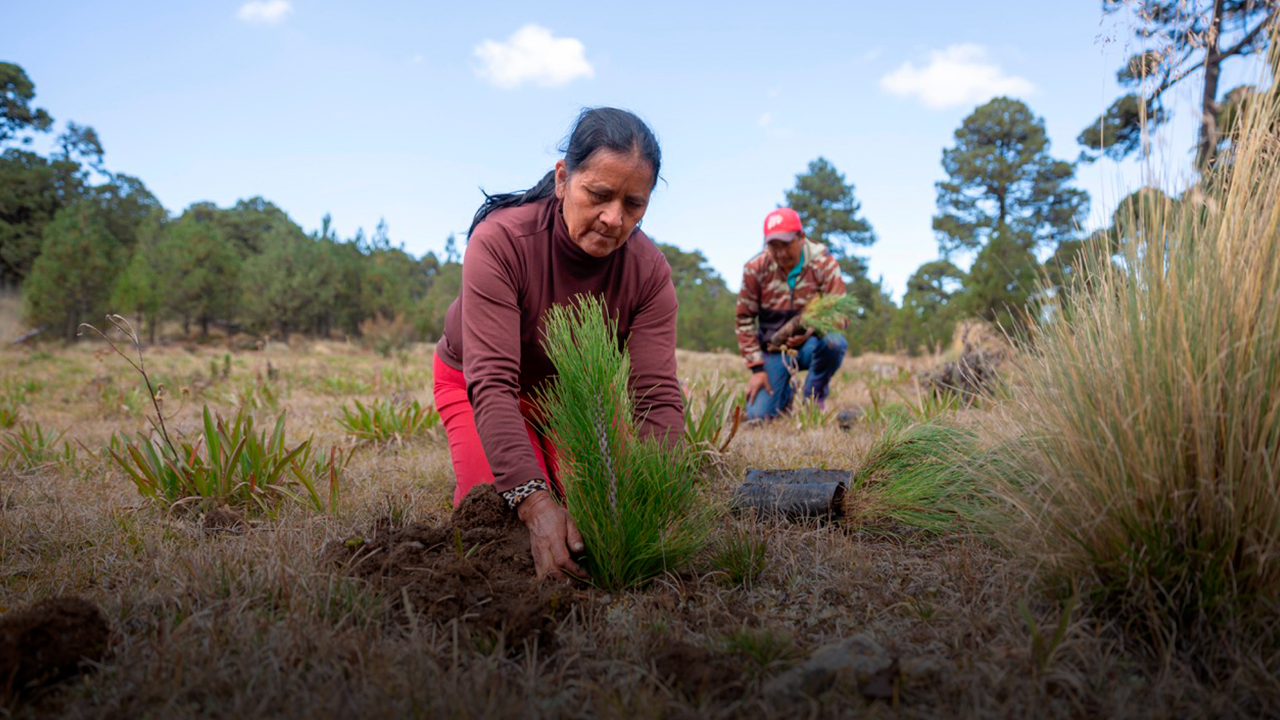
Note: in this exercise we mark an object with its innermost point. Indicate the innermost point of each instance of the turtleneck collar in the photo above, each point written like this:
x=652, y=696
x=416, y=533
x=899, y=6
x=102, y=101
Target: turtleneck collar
x=574, y=256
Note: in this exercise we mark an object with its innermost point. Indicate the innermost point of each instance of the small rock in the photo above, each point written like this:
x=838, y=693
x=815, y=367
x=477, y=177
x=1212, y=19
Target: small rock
x=860, y=658
x=846, y=419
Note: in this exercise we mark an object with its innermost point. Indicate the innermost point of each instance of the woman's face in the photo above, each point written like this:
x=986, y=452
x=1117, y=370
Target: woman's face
x=604, y=199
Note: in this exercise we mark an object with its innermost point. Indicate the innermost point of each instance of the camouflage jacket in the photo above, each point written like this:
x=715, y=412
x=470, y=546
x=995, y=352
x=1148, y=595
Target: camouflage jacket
x=765, y=301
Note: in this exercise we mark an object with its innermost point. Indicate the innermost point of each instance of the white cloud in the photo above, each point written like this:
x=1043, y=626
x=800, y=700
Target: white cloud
x=531, y=54
x=765, y=120
x=956, y=76
x=418, y=59
x=264, y=12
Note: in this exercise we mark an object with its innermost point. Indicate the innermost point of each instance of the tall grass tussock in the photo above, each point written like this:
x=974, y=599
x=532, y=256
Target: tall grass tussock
x=1150, y=403
x=635, y=500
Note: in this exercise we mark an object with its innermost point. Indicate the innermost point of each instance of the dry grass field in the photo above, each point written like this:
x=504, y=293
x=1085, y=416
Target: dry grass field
x=257, y=620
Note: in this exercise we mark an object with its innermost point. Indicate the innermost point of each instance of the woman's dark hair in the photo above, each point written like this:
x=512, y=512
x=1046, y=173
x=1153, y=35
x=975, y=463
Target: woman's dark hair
x=602, y=128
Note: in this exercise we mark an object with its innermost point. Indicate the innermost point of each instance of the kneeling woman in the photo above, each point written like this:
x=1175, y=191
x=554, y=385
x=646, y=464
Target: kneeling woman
x=575, y=232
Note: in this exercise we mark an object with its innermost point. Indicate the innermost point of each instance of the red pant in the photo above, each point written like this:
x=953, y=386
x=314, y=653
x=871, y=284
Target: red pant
x=470, y=466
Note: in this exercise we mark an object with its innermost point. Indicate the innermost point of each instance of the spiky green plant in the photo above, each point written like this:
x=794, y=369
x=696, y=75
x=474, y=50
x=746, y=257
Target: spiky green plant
x=8, y=413
x=918, y=476
x=388, y=420
x=29, y=447
x=635, y=500
x=711, y=419
x=1150, y=404
x=229, y=463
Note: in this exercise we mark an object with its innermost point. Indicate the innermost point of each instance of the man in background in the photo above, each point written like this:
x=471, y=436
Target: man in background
x=777, y=284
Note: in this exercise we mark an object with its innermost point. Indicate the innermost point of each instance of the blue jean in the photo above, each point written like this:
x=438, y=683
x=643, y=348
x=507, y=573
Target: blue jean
x=821, y=356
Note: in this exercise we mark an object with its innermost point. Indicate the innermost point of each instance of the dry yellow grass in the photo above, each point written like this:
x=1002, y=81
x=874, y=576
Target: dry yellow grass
x=10, y=316
x=253, y=624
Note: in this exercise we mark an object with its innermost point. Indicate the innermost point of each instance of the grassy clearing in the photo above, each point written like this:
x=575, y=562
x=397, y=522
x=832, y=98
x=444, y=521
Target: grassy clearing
x=251, y=623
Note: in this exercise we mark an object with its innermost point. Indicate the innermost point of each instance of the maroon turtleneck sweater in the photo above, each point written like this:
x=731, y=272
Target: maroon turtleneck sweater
x=519, y=262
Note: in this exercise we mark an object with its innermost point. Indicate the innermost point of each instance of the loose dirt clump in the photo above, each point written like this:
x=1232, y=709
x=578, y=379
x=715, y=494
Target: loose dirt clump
x=223, y=519
x=476, y=569
x=696, y=671
x=48, y=641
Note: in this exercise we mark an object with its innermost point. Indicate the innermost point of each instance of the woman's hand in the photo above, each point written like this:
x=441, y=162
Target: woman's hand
x=552, y=536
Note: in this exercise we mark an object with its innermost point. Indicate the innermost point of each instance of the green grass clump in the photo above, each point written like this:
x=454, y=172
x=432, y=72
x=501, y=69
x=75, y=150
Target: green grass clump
x=228, y=463
x=1150, y=403
x=388, y=420
x=30, y=447
x=635, y=500
x=338, y=384
x=740, y=557
x=9, y=413
x=808, y=414
x=917, y=476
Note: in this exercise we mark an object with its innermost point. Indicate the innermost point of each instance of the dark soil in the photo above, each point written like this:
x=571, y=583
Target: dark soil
x=696, y=671
x=46, y=642
x=476, y=569
x=223, y=519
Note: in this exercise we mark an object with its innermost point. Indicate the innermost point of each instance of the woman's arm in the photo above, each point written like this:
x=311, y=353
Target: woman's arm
x=491, y=356
x=491, y=364
x=652, y=345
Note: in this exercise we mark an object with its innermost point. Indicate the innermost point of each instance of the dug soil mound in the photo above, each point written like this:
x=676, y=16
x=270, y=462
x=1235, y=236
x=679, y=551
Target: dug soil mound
x=48, y=641
x=476, y=569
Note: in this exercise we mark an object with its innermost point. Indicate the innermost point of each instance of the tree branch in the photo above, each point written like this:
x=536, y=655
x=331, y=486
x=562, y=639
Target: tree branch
x=1248, y=38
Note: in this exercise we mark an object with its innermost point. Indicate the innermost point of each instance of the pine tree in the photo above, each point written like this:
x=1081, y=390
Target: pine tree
x=71, y=280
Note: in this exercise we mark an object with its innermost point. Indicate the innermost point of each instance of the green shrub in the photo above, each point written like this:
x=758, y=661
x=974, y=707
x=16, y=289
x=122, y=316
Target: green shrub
x=918, y=476
x=1150, y=403
x=387, y=420
x=229, y=463
x=635, y=500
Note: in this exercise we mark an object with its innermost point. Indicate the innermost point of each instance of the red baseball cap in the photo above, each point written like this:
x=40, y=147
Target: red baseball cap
x=781, y=224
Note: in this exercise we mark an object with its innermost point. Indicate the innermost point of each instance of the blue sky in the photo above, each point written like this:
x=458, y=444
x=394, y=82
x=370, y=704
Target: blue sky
x=403, y=110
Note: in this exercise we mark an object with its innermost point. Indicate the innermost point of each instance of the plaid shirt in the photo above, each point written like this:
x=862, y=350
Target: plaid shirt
x=766, y=302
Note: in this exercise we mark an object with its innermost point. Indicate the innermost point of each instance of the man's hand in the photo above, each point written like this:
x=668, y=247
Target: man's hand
x=796, y=341
x=552, y=536
x=759, y=381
